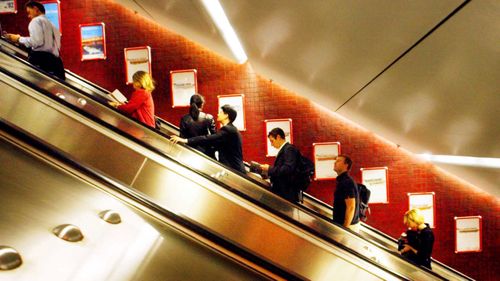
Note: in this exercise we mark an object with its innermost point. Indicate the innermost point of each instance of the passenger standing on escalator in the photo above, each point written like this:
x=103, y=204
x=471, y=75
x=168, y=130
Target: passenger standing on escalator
x=140, y=106
x=418, y=247
x=198, y=123
x=346, y=196
x=227, y=141
x=44, y=41
x=284, y=170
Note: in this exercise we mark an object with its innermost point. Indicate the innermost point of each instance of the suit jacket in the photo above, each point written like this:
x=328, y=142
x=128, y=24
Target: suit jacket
x=283, y=172
x=228, y=142
x=205, y=125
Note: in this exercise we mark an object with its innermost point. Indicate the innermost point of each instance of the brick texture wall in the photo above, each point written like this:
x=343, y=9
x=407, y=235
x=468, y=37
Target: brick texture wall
x=267, y=100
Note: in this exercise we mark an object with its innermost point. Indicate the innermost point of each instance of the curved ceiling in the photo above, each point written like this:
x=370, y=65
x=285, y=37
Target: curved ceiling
x=422, y=74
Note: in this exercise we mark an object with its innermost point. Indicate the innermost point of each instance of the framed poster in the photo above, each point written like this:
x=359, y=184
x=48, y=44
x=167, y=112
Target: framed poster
x=8, y=6
x=468, y=234
x=285, y=125
x=136, y=59
x=325, y=154
x=53, y=12
x=93, y=41
x=375, y=179
x=237, y=102
x=425, y=201
x=183, y=86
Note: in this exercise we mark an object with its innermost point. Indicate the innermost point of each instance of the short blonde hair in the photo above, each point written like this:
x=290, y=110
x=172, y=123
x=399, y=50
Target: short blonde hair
x=414, y=215
x=144, y=79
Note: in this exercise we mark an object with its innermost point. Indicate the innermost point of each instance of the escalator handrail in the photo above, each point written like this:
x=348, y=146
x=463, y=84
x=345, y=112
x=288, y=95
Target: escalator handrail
x=129, y=193
x=296, y=223
x=154, y=149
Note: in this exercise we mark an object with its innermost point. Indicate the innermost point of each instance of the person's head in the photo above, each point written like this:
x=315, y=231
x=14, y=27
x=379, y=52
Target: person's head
x=414, y=218
x=277, y=137
x=196, y=104
x=227, y=114
x=34, y=9
x=342, y=164
x=142, y=80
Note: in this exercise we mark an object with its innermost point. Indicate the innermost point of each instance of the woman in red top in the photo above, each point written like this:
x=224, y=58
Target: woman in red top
x=140, y=106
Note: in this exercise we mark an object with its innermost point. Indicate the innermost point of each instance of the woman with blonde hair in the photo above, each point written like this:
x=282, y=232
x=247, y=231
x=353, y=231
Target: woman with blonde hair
x=419, y=248
x=140, y=105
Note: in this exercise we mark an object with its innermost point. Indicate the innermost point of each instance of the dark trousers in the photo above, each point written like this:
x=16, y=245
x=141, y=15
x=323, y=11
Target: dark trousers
x=48, y=62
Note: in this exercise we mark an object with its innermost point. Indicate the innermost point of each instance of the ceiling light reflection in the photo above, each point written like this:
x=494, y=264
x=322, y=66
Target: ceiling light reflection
x=462, y=160
x=221, y=21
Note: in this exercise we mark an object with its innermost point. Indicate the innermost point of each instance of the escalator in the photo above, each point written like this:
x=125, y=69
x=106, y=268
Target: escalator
x=139, y=157
x=111, y=233
x=180, y=190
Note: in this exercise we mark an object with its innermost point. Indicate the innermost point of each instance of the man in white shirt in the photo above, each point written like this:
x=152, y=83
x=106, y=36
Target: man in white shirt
x=44, y=40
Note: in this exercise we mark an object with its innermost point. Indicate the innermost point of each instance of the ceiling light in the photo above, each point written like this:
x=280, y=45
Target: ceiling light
x=220, y=19
x=462, y=160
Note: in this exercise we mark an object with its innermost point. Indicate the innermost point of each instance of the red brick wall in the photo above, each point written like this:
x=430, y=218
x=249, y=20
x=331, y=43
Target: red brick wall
x=266, y=100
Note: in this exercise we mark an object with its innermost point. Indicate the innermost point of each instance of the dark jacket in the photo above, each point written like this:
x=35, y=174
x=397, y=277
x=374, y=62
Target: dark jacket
x=283, y=172
x=205, y=125
x=227, y=141
x=425, y=242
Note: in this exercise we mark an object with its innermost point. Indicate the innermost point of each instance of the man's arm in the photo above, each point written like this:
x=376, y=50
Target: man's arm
x=288, y=166
x=36, y=35
x=350, y=204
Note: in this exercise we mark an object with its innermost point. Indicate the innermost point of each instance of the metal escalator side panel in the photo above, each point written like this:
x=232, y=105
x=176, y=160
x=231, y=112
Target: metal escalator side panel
x=232, y=180
x=316, y=254
x=142, y=247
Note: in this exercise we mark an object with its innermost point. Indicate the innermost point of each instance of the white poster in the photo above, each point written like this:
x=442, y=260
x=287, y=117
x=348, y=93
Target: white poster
x=468, y=234
x=425, y=202
x=285, y=125
x=324, y=159
x=137, y=59
x=8, y=6
x=375, y=179
x=183, y=86
x=237, y=102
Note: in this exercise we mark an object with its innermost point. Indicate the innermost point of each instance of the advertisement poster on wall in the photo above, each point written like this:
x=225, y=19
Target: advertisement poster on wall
x=468, y=234
x=237, y=102
x=183, y=86
x=375, y=179
x=424, y=201
x=53, y=13
x=93, y=41
x=325, y=154
x=285, y=125
x=8, y=6
x=137, y=59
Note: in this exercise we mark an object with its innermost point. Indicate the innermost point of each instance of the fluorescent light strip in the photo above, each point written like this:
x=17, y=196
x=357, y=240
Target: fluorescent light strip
x=462, y=160
x=220, y=19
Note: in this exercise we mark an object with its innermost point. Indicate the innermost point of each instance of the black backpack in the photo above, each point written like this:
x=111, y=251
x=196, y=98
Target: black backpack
x=364, y=197
x=304, y=172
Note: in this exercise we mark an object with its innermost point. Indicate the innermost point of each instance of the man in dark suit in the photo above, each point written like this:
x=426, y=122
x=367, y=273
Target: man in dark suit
x=227, y=141
x=283, y=172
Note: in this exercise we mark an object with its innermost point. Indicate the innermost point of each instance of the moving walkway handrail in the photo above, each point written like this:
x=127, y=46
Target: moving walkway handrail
x=154, y=149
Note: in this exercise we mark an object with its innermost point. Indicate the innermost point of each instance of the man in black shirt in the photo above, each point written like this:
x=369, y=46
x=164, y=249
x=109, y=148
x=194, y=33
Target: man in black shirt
x=346, y=197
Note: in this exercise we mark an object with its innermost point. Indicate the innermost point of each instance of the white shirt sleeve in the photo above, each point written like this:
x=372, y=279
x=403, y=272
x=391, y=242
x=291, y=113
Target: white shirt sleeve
x=36, y=35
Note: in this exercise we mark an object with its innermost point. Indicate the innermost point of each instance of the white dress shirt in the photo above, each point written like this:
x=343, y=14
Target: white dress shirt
x=44, y=36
